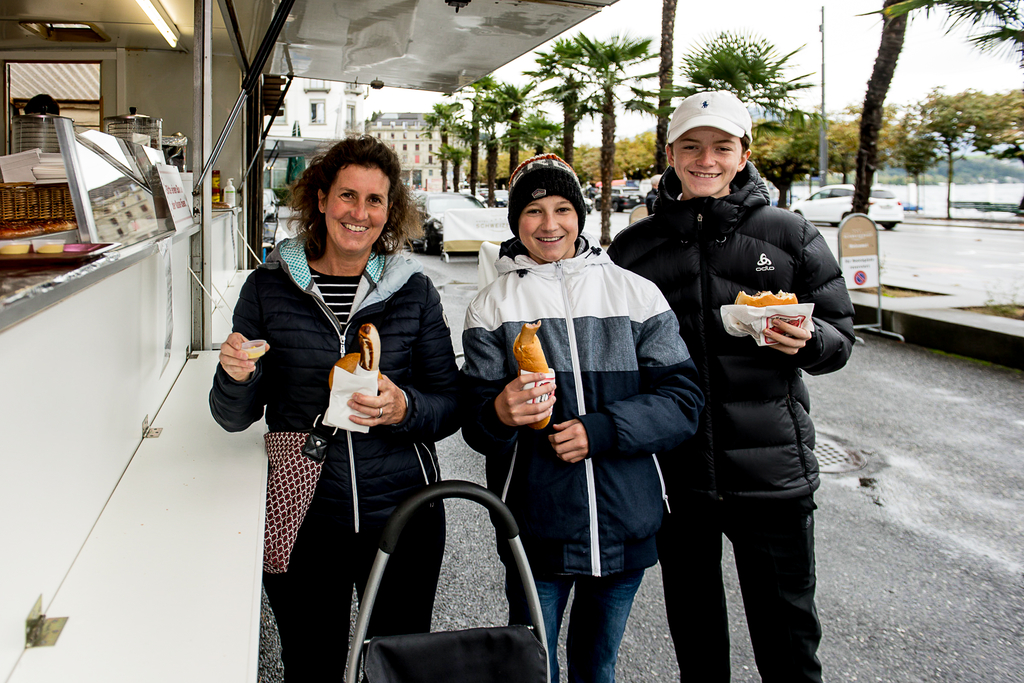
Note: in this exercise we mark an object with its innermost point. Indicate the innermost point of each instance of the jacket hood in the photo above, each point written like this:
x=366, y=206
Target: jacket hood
x=513, y=256
x=386, y=273
x=746, y=192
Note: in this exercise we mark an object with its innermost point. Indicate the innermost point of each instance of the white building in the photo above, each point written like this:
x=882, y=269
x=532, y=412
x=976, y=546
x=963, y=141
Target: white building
x=324, y=110
x=417, y=147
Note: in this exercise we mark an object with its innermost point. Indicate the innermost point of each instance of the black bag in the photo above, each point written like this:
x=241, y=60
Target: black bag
x=505, y=654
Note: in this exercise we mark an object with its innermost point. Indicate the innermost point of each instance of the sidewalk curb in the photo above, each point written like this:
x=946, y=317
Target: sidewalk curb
x=974, y=335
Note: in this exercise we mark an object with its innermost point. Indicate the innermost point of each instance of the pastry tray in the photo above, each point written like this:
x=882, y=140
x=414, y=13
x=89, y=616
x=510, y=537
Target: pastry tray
x=73, y=253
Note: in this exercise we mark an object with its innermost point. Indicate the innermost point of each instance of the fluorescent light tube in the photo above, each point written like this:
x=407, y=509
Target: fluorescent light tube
x=152, y=8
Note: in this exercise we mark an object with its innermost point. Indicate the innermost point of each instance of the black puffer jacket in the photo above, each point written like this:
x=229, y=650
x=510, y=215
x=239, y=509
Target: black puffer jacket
x=279, y=303
x=755, y=438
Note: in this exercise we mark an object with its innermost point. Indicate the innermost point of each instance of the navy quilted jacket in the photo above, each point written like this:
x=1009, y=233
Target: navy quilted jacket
x=621, y=369
x=367, y=475
x=755, y=438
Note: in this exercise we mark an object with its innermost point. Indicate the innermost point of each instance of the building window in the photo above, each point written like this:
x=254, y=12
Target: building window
x=430, y=148
x=351, y=116
x=315, y=84
x=417, y=159
x=417, y=147
x=430, y=159
x=318, y=111
x=430, y=171
x=405, y=147
x=392, y=137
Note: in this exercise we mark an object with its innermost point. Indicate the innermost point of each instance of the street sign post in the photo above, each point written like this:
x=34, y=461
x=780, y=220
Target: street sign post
x=859, y=258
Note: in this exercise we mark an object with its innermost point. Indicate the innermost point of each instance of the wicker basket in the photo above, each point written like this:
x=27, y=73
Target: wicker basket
x=26, y=201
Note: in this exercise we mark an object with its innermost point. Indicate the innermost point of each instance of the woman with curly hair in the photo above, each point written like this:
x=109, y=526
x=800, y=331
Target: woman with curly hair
x=308, y=301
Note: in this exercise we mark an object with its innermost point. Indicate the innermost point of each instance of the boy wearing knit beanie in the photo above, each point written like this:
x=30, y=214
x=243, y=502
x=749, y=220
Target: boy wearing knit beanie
x=585, y=490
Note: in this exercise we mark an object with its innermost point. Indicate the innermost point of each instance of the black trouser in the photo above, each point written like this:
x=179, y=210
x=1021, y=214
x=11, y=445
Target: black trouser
x=313, y=600
x=773, y=541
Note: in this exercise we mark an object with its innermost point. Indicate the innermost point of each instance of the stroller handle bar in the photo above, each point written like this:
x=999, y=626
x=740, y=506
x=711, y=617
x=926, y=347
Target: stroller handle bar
x=503, y=518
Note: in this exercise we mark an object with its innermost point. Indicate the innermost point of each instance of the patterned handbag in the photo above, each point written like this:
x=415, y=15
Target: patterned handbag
x=290, y=486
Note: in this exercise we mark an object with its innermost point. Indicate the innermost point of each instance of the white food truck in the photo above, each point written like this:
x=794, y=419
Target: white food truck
x=131, y=525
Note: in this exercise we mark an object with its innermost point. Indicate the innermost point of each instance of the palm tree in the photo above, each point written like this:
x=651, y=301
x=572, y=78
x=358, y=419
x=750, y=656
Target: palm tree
x=456, y=155
x=558, y=67
x=995, y=24
x=539, y=133
x=444, y=118
x=605, y=67
x=668, y=22
x=481, y=90
x=513, y=100
x=748, y=66
x=893, y=30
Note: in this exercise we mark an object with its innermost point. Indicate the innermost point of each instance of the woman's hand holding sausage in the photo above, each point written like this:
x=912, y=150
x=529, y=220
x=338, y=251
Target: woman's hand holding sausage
x=388, y=407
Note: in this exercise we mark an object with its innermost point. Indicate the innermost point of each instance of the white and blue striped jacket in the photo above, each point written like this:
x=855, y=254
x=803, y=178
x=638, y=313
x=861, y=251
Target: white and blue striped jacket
x=621, y=368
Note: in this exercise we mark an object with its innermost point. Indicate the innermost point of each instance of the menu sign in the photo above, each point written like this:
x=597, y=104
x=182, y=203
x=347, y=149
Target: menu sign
x=858, y=251
x=177, y=198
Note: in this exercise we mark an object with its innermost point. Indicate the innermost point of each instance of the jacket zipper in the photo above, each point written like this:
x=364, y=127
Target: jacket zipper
x=595, y=539
x=333, y=319
x=799, y=434
x=661, y=478
x=706, y=304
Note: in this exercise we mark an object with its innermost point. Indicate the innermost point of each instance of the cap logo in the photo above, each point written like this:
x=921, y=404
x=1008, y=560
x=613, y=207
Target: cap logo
x=539, y=192
x=704, y=104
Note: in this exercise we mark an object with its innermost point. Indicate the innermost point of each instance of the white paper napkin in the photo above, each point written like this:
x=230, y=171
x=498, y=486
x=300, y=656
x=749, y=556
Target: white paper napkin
x=742, y=320
x=343, y=386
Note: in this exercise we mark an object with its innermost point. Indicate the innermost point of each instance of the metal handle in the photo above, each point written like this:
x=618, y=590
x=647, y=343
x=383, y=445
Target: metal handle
x=503, y=519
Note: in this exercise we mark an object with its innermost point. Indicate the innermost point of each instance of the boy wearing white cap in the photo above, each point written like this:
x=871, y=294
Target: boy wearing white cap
x=750, y=472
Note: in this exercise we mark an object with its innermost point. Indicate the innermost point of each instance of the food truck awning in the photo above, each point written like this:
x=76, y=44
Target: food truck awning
x=421, y=44
x=286, y=148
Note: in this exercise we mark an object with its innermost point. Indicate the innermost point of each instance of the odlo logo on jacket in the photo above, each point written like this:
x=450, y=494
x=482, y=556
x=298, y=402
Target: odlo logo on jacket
x=764, y=263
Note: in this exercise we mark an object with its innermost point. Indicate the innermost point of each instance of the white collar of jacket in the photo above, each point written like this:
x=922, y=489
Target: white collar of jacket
x=386, y=274
x=514, y=258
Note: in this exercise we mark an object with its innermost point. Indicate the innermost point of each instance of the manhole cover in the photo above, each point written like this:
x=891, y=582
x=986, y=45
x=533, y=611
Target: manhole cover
x=834, y=459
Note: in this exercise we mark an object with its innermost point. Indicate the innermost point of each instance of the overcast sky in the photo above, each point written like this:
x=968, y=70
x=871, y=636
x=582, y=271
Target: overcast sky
x=930, y=57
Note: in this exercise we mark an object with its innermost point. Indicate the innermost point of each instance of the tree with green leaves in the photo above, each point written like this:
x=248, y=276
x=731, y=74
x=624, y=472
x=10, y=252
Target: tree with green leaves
x=568, y=89
x=445, y=119
x=783, y=156
x=606, y=66
x=1001, y=129
x=953, y=121
x=914, y=149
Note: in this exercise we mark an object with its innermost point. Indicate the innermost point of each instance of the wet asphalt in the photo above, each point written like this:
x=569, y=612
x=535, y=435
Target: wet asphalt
x=920, y=553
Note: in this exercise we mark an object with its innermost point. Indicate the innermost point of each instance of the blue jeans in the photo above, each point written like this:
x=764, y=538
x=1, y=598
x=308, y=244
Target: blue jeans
x=600, y=608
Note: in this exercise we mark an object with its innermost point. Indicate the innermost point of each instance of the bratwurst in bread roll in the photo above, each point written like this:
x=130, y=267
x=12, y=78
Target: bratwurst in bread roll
x=530, y=356
x=762, y=299
x=368, y=356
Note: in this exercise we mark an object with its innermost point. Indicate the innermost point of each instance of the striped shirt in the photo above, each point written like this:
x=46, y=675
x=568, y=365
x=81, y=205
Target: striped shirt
x=338, y=292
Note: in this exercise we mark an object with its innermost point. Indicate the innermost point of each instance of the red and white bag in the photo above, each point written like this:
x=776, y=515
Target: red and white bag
x=290, y=485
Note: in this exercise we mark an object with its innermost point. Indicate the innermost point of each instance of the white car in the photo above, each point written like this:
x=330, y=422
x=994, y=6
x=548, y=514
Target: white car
x=832, y=203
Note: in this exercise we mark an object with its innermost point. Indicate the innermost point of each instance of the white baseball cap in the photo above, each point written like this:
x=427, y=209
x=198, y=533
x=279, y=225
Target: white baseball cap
x=717, y=109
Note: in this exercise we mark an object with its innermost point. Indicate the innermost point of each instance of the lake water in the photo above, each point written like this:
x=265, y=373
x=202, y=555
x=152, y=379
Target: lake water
x=932, y=198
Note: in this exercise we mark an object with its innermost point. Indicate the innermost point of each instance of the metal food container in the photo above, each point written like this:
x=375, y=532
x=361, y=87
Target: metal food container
x=29, y=131
x=127, y=126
